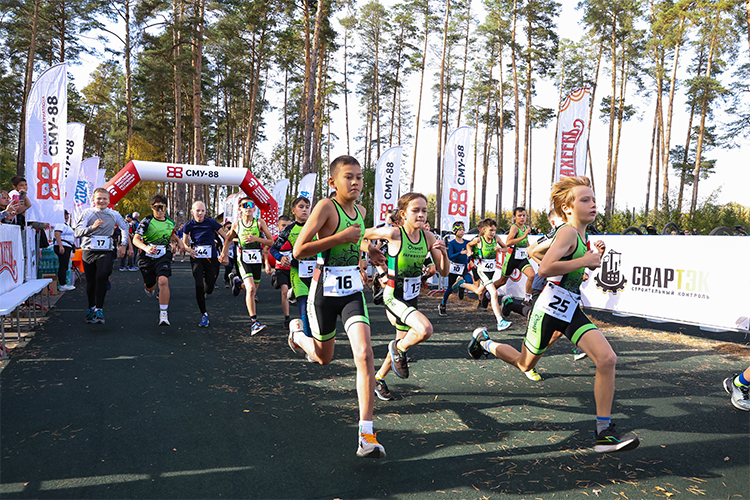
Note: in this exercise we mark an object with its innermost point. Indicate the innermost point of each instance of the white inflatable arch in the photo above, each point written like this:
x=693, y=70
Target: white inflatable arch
x=136, y=171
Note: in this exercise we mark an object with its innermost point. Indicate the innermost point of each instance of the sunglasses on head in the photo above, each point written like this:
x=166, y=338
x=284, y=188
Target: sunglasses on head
x=159, y=207
x=248, y=204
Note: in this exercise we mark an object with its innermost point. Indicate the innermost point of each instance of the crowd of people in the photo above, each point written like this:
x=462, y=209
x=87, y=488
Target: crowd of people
x=319, y=262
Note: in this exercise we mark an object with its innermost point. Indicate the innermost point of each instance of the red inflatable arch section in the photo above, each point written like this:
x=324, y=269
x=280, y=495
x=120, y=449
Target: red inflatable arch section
x=136, y=171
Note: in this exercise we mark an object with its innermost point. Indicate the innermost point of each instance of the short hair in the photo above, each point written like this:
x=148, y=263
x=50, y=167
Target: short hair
x=341, y=161
x=562, y=193
x=18, y=179
x=518, y=209
x=284, y=218
x=298, y=200
x=245, y=198
x=100, y=190
x=404, y=200
x=158, y=198
x=488, y=223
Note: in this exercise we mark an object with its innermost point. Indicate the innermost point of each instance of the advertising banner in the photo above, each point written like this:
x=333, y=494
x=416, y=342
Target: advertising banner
x=307, y=187
x=73, y=154
x=386, y=183
x=457, y=174
x=84, y=190
x=32, y=254
x=11, y=257
x=46, y=131
x=572, y=134
x=279, y=191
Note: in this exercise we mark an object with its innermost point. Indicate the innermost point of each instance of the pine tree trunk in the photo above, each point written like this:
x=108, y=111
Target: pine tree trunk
x=421, y=86
x=516, y=106
x=21, y=162
x=177, y=155
x=200, y=9
x=527, y=120
x=609, y=204
x=466, y=59
x=670, y=108
x=128, y=75
x=439, y=177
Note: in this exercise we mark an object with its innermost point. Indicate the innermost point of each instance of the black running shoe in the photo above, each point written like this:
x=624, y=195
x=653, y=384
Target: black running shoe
x=461, y=293
x=485, y=300
x=475, y=348
x=507, y=301
x=609, y=440
x=236, y=286
x=398, y=359
x=377, y=292
x=381, y=390
x=441, y=310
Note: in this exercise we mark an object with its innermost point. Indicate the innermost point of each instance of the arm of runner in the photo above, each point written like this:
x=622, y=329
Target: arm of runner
x=439, y=254
x=381, y=233
x=231, y=235
x=323, y=211
x=513, y=236
x=565, y=242
x=500, y=242
x=539, y=248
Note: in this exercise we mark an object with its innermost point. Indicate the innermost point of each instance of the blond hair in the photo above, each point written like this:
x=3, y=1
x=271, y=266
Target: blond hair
x=562, y=193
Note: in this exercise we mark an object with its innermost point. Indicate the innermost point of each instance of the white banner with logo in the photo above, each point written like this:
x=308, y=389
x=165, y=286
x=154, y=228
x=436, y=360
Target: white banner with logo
x=457, y=172
x=11, y=257
x=101, y=178
x=671, y=279
x=279, y=192
x=84, y=190
x=74, y=155
x=307, y=187
x=231, y=207
x=32, y=254
x=46, y=131
x=572, y=134
x=386, y=183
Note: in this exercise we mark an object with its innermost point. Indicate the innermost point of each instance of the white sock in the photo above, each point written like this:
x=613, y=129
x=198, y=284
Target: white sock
x=365, y=427
x=163, y=307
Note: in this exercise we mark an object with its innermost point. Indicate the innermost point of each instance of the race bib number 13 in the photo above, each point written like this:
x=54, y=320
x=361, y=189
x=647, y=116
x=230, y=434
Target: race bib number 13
x=412, y=286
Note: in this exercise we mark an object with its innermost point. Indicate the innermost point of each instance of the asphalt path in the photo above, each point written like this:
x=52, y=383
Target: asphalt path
x=131, y=409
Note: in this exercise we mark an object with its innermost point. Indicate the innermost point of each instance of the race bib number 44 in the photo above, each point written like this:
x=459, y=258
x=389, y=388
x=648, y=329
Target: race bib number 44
x=203, y=252
x=558, y=302
x=341, y=281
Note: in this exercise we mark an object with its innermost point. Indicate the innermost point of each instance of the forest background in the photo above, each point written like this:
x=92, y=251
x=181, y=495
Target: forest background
x=284, y=87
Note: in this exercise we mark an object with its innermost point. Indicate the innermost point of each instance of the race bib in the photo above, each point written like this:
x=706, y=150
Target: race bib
x=161, y=250
x=251, y=256
x=412, y=287
x=341, y=281
x=101, y=243
x=521, y=253
x=203, y=252
x=456, y=268
x=306, y=268
x=558, y=302
x=487, y=265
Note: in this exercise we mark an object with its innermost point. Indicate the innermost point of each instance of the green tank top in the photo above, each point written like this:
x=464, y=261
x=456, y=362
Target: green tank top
x=409, y=260
x=156, y=232
x=252, y=230
x=487, y=250
x=572, y=281
x=524, y=243
x=346, y=254
x=294, y=234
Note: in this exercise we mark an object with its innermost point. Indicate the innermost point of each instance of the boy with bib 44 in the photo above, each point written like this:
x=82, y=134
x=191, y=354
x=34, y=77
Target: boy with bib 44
x=336, y=288
x=557, y=308
x=408, y=246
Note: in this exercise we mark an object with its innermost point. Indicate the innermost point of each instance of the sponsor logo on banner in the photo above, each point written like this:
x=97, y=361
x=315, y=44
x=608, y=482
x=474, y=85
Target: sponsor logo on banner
x=7, y=262
x=458, y=203
x=48, y=181
x=609, y=278
x=174, y=172
x=568, y=146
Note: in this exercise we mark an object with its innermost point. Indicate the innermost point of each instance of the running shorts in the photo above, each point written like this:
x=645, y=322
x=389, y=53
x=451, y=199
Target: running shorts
x=249, y=270
x=482, y=277
x=323, y=311
x=151, y=269
x=542, y=326
x=452, y=278
x=511, y=264
x=281, y=279
x=399, y=308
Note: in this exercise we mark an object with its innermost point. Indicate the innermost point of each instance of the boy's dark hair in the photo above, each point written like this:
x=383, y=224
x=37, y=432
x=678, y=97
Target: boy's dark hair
x=299, y=199
x=488, y=222
x=15, y=181
x=158, y=198
x=518, y=209
x=341, y=161
x=284, y=218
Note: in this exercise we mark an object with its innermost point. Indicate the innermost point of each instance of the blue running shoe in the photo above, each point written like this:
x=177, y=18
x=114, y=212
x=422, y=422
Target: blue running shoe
x=236, y=286
x=458, y=283
x=475, y=347
x=204, y=321
x=90, y=315
x=99, y=317
x=503, y=325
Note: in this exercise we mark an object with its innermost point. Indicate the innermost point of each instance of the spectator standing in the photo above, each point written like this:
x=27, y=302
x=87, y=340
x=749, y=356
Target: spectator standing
x=65, y=243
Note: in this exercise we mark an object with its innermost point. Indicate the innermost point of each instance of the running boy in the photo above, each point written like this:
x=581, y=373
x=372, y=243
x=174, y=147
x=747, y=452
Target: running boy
x=95, y=227
x=336, y=288
x=253, y=234
x=518, y=240
x=407, y=248
x=558, y=309
x=459, y=274
x=282, y=264
x=486, y=247
x=204, y=256
x=154, y=237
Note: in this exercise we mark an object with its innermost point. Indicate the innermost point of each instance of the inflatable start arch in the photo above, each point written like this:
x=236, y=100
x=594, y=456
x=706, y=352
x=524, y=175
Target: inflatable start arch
x=136, y=171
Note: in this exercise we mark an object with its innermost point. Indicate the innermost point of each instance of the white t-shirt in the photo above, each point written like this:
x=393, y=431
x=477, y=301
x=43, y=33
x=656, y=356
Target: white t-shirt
x=67, y=235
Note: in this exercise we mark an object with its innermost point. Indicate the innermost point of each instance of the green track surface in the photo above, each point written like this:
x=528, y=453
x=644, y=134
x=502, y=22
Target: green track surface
x=133, y=410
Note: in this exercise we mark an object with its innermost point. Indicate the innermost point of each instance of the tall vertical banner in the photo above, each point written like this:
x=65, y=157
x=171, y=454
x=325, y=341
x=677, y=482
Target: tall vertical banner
x=572, y=134
x=279, y=192
x=457, y=172
x=46, y=132
x=101, y=178
x=387, y=183
x=307, y=186
x=84, y=186
x=74, y=155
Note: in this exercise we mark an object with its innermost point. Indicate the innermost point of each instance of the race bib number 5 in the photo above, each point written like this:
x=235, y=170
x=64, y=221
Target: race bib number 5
x=306, y=268
x=341, y=281
x=558, y=302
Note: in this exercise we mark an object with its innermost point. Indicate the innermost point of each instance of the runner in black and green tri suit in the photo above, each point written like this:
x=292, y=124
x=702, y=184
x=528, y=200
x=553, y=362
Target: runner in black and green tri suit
x=518, y=240
x=557, y=308
x=407, y=248
x=253, y=234
x=336, y=288
x=154, y=236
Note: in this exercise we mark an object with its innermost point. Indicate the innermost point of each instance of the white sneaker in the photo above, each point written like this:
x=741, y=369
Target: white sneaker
x=152, y=293
x=294, y=326
x=369, y=447
x=66, y=288
x=163, y=318
x=533, y=375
